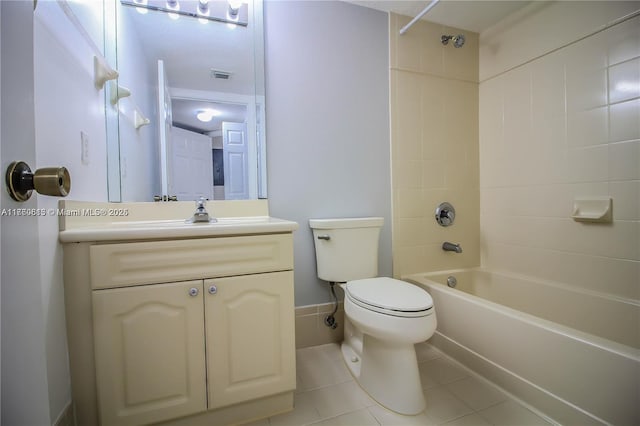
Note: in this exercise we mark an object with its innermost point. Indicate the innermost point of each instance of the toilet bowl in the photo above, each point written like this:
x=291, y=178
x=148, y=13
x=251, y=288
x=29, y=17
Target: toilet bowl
x=385, y=324
x=384, y=317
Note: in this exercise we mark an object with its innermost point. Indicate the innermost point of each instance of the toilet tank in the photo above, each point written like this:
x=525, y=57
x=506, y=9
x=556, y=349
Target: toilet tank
x=346, y=248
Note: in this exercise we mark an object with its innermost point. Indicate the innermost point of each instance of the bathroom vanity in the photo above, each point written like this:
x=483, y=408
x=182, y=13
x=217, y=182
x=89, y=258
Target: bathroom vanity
x=175, y=322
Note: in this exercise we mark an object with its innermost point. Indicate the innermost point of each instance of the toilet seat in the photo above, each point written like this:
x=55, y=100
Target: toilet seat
x=390, y=296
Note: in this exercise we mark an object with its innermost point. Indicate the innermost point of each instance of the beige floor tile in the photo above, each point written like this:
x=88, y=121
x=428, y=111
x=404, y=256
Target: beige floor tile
x=475, y=393
x=261, y=422
x=299, y=386
x=426, y=352
x=470, y=420
x=342, y=398
x=389, y=418
x=328, y=395
x=426, y=378
x=355, y=418
x=442, y=371
x=319, y=366
x=442, y=406
x=330, y=350
x=510, y=413
x=303, y=412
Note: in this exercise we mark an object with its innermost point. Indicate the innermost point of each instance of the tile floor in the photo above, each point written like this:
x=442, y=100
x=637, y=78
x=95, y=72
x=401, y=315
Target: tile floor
x=327, y=395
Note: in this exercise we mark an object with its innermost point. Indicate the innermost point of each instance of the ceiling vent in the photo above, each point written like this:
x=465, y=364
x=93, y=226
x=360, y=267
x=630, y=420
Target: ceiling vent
x=223, y=75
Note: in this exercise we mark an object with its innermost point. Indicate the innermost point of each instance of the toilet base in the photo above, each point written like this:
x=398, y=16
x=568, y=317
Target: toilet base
x=388, y=372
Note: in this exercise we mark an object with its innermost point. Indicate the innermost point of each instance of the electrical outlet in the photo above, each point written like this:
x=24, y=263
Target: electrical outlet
x=84, y=148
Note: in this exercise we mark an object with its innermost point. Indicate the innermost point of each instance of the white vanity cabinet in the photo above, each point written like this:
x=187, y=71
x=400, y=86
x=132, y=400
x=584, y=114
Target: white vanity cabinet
x=149, y=352
x=183, y=331
x=250, y=334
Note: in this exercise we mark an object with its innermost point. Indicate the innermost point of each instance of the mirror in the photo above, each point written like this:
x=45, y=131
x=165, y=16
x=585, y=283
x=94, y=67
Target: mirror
x=186, y=116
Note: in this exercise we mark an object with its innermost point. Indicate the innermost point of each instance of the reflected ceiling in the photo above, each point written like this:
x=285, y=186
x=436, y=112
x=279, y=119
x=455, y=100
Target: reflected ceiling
x=474, y=16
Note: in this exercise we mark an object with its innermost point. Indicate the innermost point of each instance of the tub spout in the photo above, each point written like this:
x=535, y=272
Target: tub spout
x=447, y=246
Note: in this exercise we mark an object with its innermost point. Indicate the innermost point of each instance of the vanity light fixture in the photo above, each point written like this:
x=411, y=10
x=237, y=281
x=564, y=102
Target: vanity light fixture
x=206, y=115
x=203, y=11
x=142, y=9
x=175, y=6
x=231, y=12
x=203, y=7
x=234, y=8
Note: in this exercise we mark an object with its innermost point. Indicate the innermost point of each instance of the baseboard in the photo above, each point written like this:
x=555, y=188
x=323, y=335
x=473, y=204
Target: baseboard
x=311, y=329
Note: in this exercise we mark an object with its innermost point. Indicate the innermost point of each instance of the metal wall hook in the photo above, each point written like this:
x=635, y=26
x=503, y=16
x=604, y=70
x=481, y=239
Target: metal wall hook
x=21, y=181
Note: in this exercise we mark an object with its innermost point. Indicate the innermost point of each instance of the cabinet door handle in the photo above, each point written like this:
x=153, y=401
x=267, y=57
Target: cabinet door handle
x=213, y=289
x=193, y=291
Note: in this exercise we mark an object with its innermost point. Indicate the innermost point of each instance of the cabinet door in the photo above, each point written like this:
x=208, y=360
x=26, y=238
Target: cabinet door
x=149, y=351
x=250, y=337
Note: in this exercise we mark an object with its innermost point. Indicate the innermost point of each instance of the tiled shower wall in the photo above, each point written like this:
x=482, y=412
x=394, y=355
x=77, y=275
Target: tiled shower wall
x=562, y=126
x=434, y=145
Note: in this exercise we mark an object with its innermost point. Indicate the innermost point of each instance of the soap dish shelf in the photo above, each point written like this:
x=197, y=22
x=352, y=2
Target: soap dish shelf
x=595, y=209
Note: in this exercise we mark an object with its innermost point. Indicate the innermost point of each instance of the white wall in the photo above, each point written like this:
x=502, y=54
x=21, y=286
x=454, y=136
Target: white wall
x=66, y=104
x=556, y=125
x=328, y=149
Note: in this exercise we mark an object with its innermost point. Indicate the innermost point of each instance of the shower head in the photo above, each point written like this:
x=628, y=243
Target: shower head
x=458, y=41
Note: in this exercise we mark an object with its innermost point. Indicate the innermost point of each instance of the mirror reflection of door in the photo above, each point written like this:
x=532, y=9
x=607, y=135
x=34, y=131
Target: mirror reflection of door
x=235, y=152
x=191, y=166
x=198, y=131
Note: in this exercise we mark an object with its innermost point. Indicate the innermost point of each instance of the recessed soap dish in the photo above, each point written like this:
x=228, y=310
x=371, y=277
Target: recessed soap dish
x=593, y=209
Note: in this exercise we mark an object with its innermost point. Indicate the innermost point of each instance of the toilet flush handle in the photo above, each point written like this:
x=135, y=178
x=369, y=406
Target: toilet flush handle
x=324, y=237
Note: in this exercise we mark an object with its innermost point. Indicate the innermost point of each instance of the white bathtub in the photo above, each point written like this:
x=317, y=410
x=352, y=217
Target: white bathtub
x=571, y=354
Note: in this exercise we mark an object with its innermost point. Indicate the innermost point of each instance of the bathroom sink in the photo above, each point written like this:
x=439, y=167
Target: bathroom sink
x=178, y=228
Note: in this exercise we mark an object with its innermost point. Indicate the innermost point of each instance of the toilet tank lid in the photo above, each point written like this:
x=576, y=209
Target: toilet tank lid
x=346, y=222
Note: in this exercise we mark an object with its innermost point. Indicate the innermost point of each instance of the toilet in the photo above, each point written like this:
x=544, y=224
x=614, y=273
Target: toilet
x=384, y=317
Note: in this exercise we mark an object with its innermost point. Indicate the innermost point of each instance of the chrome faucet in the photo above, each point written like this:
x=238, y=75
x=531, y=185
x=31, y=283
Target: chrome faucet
x=201, y=214
x=447, y=246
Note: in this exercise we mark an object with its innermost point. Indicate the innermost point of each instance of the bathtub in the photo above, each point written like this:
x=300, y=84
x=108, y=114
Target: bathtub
x=572, y=355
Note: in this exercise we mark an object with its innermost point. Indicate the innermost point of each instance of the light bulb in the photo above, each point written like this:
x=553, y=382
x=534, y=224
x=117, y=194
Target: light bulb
x=173, y=5
x=203, y=10
x=203, y=7
x=207, y=114
x=234, y=7
x=143, y=6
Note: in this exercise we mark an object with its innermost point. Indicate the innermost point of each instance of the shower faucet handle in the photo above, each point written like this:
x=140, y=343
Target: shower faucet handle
x=445, y=214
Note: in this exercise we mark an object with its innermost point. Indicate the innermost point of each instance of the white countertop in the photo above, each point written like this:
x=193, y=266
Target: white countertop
x=87, y=221
x=167, y=229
